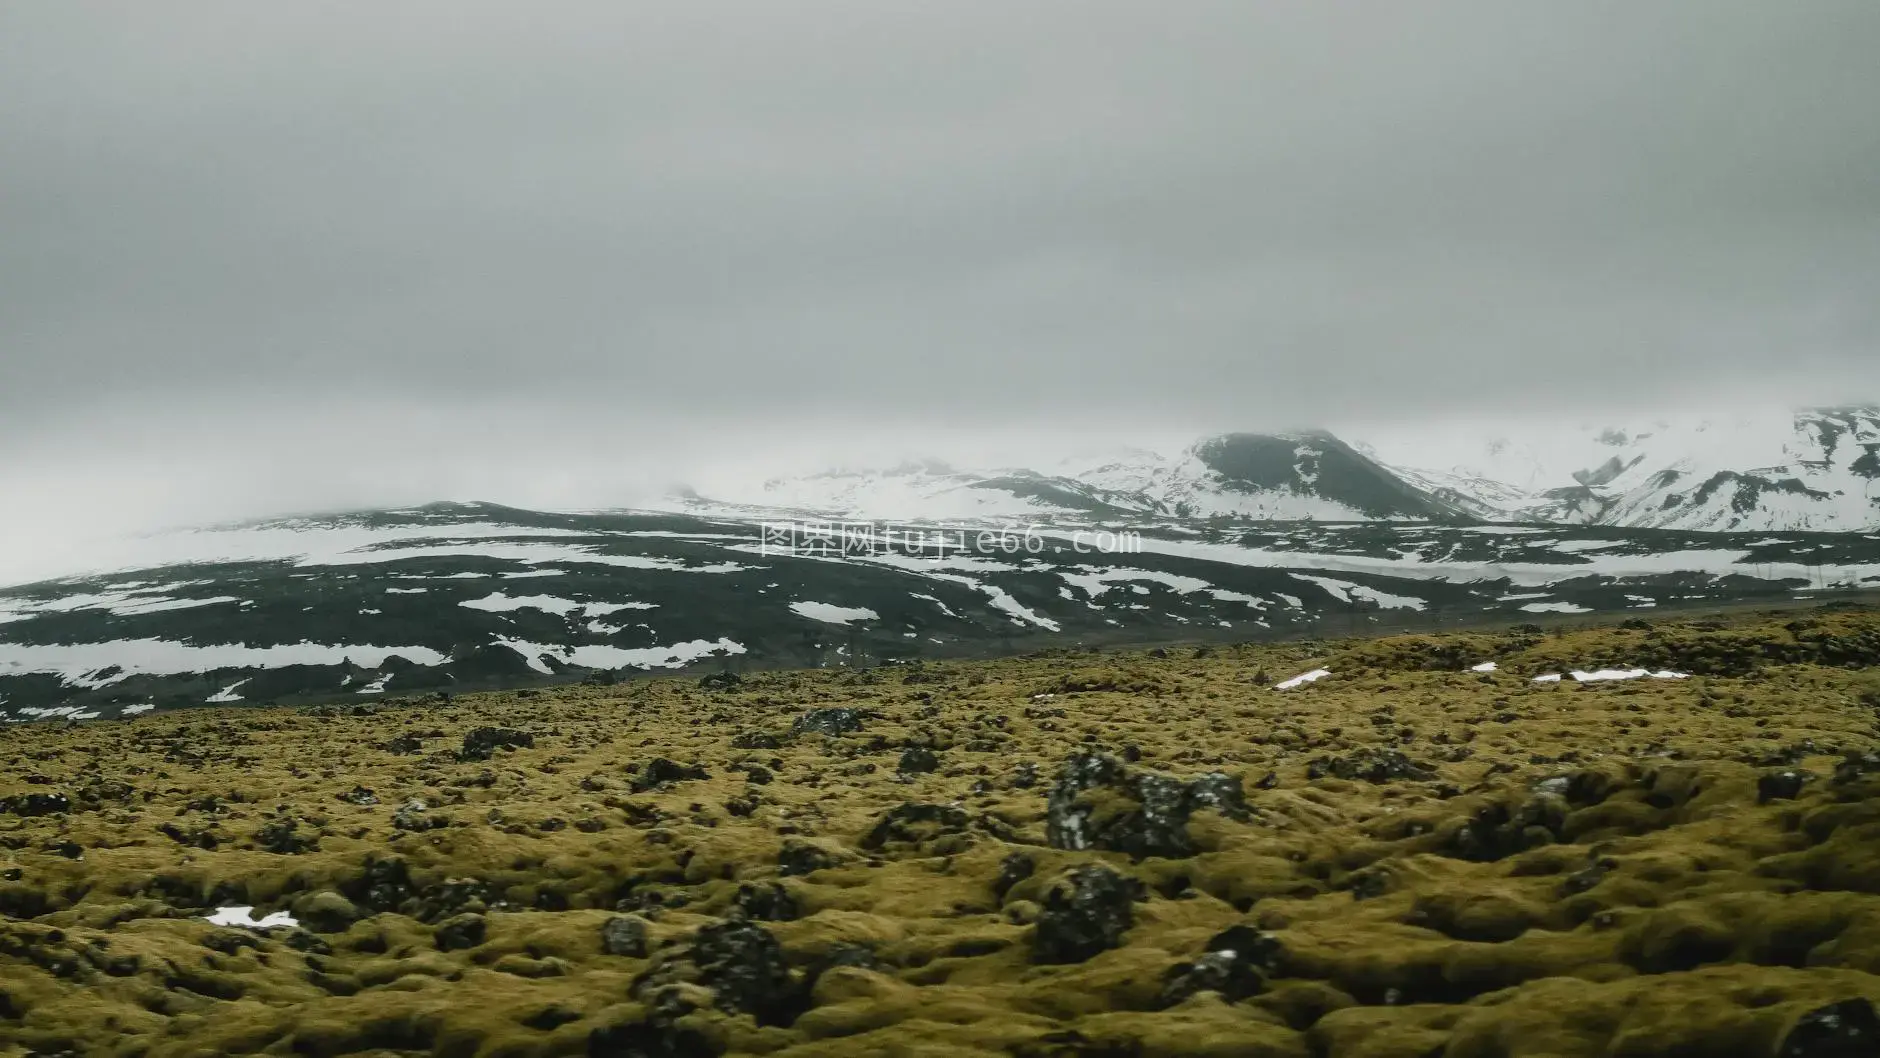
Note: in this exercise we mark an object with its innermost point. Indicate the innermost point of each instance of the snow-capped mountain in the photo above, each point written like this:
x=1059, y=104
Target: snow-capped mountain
x=1301, y=476
x=1813, y=470
x=1821, y=472
x=933, y=490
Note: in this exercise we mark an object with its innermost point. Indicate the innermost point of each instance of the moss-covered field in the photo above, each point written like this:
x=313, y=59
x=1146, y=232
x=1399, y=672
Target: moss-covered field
x=1137, y=854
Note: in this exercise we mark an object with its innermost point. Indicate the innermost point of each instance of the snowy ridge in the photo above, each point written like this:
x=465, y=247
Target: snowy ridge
x=1298, y=476
x=926, y=491
x=1811, y=470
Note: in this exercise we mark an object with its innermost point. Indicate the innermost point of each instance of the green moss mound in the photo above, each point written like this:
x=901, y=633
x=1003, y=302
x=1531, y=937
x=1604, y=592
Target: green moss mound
x=1138, y=854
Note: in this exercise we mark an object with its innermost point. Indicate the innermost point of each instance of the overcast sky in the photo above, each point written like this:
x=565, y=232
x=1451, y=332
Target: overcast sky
x=259, y=257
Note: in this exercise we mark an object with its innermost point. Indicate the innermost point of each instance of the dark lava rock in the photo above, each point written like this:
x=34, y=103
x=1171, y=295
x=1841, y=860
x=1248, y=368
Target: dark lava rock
x=720, y=681
x=548, y=1019
x=1067, y=824
x=283, y=836
x=1157, y=826
x=98, y=792
x=756, y=740
x=302, y=941
x=1783, y=785
x=655, y=1038
x=842, y=953
x=1369, y=884
x=483, y=742
x=765, y=901
x=1025, y=777
x=450, y=897
x=460, y=932
x=1793, y=753
x=1561, y=785
x=414, y=815
x=1263, y=951
x=1268, y=781
x=757, y=775
x=832, y=721
x=1371, y=765
x=916, y=760
x=625, y=935
x=1591, y=787
x=801, y=857
x=19, y=901
x=1219, y=791
x=1848, y=1029
x=650, y=901
x=739, y=961
x=659, y=772
x=230, y=941
x=1085, y=913
x=210, y=805
x=359, y=795
x=914, y=822
x=1854, y=765
x=403, y=745
x=1014, y=869
x=196, y=838
x=1495, y=832
x=383, y=885
x=36, y=804
x=1224, y=972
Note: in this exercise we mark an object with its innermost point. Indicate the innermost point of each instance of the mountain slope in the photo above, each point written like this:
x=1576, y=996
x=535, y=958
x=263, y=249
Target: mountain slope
x=458, y=596
x=1317, y=464
x=1308, y=475
x=1814, y=470
x=923, y=491
x=1810, y=470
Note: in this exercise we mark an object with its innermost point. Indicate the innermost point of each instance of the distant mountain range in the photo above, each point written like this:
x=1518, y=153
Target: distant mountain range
x=1242, y=536
x=1812, y=470
x=459, y=596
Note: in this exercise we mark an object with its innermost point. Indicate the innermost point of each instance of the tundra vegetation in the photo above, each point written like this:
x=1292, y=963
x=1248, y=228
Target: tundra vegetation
x=1147, y=853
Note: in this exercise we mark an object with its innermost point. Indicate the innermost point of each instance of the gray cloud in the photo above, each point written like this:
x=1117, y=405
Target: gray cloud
x=270, y=227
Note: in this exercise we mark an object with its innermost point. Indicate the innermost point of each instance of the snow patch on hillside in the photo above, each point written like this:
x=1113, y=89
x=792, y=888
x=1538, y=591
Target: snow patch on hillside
x=1302, y=679
x=1345, y=591
x=600, y=656
x=829, y=613
x=1712, y=561
x=497, y=602
x=84, y=664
